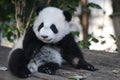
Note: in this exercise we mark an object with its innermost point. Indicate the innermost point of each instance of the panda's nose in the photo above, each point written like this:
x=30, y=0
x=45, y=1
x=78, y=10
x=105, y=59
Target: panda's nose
x=44, y=36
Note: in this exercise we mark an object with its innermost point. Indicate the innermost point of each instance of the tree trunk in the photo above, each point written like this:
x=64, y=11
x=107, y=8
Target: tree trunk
x=84, y=19
x=116, y=20
x=19, y=10
x=23, y=13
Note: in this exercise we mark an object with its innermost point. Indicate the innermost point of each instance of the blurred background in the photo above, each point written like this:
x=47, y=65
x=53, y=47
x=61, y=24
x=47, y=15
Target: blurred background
x=95, y=23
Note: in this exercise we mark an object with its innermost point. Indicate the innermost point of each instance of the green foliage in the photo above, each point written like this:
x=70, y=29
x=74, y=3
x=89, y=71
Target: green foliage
x=6, y=8
x=114, y=38
x=8, y=31
x=83, y=43
x=63, y=4
x=7, y=19
x=75, y=33
x=77, y=77
x=103, y=42
x=94, y=5
x=7, y=11
x=94, y=40
x=72, y=78
x=86, y=44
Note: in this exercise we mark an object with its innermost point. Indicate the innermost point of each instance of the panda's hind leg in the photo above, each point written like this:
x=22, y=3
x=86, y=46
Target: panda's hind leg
x=18, y=64
x=48, y=60
x=49, y=68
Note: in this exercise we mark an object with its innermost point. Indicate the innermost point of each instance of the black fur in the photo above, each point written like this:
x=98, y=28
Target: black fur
x=20, y=57
x=71, y=51
x=40, y=26
x=54, y=29
x=32, y=45
x=18, y=64
x=49, y=68
x=38, y=9
x=85, y=65
x=67, y=15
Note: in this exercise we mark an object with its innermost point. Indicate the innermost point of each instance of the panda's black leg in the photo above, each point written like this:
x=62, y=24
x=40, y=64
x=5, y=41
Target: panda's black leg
x=49, y=68
x=18, y=64
x=72, y=53
x=85, y=65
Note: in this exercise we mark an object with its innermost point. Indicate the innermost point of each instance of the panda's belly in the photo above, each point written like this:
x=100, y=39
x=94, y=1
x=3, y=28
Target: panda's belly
x=47, y=54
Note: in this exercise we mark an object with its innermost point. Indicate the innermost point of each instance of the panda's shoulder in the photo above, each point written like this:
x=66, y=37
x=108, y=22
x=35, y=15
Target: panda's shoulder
x=29, y=35
x=68, y=37
x=29, y=32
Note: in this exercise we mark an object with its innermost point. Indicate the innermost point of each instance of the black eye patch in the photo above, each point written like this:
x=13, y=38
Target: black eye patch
x=40, y=26
x=53, y=28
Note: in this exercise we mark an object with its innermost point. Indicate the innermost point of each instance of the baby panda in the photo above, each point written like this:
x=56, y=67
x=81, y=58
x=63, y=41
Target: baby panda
x=44, y=45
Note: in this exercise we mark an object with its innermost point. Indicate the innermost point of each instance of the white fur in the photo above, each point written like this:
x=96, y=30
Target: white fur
x=47, y=54
x=51, y=16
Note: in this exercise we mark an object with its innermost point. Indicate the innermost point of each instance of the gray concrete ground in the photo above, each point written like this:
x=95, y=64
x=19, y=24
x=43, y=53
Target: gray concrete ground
x=107, y=63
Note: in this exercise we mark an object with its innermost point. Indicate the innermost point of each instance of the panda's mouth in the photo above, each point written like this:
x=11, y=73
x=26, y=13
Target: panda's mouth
x=47, y=40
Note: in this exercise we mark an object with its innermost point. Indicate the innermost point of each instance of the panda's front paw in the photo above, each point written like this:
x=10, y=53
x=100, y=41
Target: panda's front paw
x=85, y=65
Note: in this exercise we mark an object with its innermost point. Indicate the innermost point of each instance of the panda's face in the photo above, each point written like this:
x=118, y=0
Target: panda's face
x=47, y=33
x=50, y=25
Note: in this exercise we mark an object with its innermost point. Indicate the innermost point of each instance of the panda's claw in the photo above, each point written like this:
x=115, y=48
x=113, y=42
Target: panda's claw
x=85, y=65
x=91, y=68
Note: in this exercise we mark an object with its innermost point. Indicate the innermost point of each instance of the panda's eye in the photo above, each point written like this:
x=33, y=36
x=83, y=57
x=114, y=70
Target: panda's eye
x=40, y=26
x=53, y=28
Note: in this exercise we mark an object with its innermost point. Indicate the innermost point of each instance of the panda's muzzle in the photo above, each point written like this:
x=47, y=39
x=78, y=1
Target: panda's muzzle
x=45, y=38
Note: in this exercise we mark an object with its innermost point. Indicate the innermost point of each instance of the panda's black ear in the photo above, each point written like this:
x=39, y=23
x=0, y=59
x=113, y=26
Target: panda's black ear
x=67, y=15
x=38, y=9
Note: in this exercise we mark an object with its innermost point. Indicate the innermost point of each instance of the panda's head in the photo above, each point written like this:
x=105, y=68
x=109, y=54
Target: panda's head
x=51, y=24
